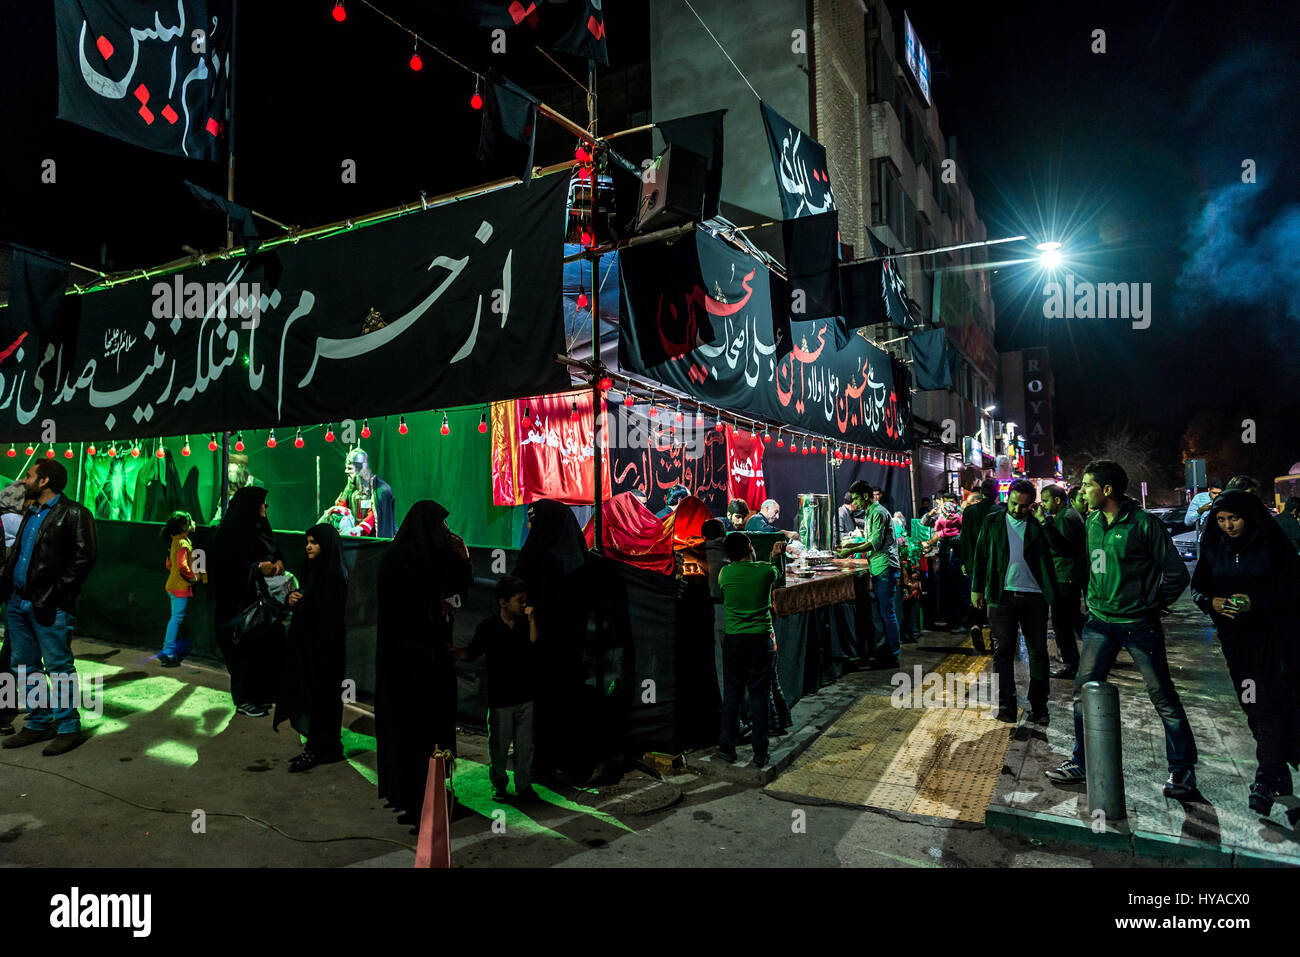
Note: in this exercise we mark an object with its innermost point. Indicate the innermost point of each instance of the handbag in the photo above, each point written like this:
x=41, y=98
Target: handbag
x=265, y=610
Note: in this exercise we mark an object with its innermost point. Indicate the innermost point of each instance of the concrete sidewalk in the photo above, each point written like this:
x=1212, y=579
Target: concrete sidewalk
x=1219, y=830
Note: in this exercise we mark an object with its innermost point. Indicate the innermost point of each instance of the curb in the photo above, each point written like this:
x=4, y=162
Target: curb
x=1147, y=845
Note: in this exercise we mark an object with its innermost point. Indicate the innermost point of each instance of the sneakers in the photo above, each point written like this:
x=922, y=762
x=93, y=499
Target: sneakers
x=977, y=640
x=1181, y=784
x=28, y=736
x=63, y=743
x=252, y=710
x=1067, y=773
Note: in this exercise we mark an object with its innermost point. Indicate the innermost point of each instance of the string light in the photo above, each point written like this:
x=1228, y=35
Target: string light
x=49, y=453
x=161, y=453
x=699, y=419
x=13, y=451
x=527, y=417
x=780, y=442
x=654, y=411
x=30, y=450
x=805, y=447
x=718, y=426
x=185, y=449
x=90, y=451
x=679, y=411
x=415, y=62
x=482, y=423
x=112, y=450
x=67, y=453
x=767, y=435
x=239, y=441
x=329, y=432
x=365, y=428
x=629, y=400
x=573, y=409
x=606, y=383
x=270, y=440
x=339, y=13
x=212, y=444
x=582, y=300
x=135, y=451
x=401, y=425
x=476, y=101
x=446, y=426
x=297, y=440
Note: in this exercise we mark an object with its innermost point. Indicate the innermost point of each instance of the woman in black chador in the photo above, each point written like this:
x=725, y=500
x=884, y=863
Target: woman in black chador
x=1248, y=581
x=246, y=548
x=311, y=686
x=423, y=576
x=552, y=563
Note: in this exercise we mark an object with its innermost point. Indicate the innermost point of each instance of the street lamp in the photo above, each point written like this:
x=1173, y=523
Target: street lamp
x=1050, y=254
x=991, y=408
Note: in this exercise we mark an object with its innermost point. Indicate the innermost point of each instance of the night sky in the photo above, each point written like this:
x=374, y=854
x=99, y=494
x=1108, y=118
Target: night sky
x=1132, y=158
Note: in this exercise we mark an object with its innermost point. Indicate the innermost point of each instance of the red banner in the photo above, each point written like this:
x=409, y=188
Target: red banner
x=546, y=452
x=745, y=469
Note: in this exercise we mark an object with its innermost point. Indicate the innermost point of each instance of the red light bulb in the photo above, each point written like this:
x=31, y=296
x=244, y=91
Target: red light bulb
x=270, y=440
x=780, y=442
x=606, y=383
x=112, y=451
x=446, y=426
x=476, y=101
x=185, y=449
x=297, y=440
x=329, y=433
x=339, y=13
x=90, y=451
x=482, y=423
x=582, y=300
x=416, y=63
x=135, y=451
x=654, y=411
x=13, y=451
x=161, y=453
x=401, y=426
x=699, y=420
x=679, y=415
x=805, y=450
x=239, y=442
x=212, y=444
x=718, y=426
x=49, y=453
x=30, y=450
x=365, y=429
x=629, y=400
x=767, y=439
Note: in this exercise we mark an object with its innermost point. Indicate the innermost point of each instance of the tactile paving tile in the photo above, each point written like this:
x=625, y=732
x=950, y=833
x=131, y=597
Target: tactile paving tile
x=938, y=761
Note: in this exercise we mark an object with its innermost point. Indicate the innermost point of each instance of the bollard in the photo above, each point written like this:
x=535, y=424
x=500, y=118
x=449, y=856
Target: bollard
x=1102, y=749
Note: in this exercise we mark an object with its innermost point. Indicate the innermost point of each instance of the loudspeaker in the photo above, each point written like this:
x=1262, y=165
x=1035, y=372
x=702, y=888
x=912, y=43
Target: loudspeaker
x=672, y=190
x=1195, y=469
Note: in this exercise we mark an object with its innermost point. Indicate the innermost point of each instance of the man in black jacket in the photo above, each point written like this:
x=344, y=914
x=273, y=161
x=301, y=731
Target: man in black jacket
x=972, y=521
x=1071, y=575
x=1014, y=574
x=43, y=573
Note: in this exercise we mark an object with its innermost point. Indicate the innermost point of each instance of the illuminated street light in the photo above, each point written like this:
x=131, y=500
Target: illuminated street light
x=1051, y=254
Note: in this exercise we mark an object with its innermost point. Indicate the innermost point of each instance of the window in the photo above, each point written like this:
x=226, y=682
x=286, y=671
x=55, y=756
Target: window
x=886, y=196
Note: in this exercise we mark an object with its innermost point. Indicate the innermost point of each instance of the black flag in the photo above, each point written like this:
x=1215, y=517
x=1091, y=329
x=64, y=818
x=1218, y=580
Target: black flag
x=509, y=125
x=702, y=134
x=152, y=73
x=37, y=304
x=241, y=217
x=576, y=27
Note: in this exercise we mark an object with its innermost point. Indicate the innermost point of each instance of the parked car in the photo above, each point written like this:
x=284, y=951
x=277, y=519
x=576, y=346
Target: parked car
x=1188, y=545
x=1172, y=518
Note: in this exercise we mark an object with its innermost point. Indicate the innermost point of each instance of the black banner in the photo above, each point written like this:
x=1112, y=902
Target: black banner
x=154, y=74
x=576, y=27
x=697, y=316
x=644, y=456
x=802, y=174
x=451, y=306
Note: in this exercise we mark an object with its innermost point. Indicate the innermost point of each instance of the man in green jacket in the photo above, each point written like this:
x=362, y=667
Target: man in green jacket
x=1135, y=574
x=1013, y=574
x=1071, y=575
x=881, y=548
x=972, y=522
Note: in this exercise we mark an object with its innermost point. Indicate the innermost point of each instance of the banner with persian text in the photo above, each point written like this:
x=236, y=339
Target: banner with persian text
x=543, y=447
x=745, y=469
x=452, y=306
x=697, y=316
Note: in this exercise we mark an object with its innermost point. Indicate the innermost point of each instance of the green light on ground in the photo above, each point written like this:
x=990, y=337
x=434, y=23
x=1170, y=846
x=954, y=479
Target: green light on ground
x=173, y=752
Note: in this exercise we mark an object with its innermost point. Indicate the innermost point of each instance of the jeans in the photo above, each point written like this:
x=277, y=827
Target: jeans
x=45, y=650
x=1145, y=641
x=1068, y=623
x=1020, y=611
x=506, y=725
x=746, y=664
x=884, y=587
x=173, y=645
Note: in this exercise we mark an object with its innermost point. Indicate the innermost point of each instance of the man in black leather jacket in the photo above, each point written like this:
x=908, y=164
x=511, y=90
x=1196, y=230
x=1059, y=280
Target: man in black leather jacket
x=43, y=573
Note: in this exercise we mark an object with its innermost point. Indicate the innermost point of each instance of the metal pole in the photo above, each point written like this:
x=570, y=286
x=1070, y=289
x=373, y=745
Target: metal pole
x=224, y=478
x=230, y=161
x=1102, y=748
x=597, y=463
